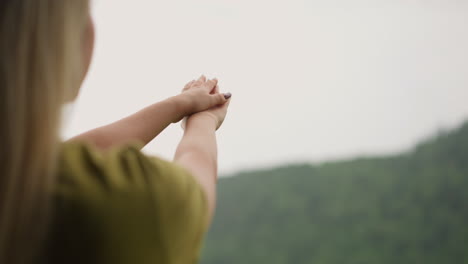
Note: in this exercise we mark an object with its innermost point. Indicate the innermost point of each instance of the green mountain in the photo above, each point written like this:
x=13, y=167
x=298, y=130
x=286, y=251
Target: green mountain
x=408, y=208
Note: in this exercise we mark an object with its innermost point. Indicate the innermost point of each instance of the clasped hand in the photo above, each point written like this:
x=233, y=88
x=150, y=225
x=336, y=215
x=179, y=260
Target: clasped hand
x=202, y=98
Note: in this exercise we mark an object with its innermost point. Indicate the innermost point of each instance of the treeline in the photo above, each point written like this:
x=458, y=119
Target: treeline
x=408, y=208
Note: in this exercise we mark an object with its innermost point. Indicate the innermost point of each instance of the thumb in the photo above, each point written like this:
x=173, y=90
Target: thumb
x=219, y=98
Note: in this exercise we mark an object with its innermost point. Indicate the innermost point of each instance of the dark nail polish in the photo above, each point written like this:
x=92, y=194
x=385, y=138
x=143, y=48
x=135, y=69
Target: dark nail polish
x=227, y=95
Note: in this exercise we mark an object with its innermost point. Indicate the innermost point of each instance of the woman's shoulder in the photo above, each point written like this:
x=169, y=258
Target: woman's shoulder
x=143, y=208
x=120, y=168
x=83, y=170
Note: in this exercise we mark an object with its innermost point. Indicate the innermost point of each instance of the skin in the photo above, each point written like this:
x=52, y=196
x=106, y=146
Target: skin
x=200, y=101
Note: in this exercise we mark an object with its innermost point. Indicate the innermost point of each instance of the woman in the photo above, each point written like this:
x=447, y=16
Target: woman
x=96, y=198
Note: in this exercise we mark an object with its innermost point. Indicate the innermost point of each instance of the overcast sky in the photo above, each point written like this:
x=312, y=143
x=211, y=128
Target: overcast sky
x=311, y=80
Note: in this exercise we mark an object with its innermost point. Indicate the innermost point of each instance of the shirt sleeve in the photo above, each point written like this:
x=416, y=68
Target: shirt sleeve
x=131, y=208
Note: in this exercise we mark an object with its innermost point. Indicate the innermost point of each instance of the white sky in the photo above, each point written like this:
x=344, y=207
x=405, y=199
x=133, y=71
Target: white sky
x=311, y=80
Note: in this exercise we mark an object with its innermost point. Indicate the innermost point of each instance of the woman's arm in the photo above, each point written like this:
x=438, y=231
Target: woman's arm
x=197, y=152
x=142, y=126
x=146, y=124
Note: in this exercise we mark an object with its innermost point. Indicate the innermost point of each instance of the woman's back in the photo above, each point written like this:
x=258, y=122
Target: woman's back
x=124, y=207
x=96, y=198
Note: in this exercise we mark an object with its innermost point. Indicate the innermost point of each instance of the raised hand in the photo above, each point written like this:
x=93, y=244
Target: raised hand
x=201, y=94
x=217, y=111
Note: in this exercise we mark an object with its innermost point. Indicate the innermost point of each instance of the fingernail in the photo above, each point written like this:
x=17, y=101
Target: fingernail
x=227, y=95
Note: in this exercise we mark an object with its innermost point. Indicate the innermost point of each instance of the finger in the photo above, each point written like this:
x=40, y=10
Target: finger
x=200, y=81
x=188, y=85
x=210, y=85
x=215, y=90
x=226, y=105
x=227, y=96
x=218, y=99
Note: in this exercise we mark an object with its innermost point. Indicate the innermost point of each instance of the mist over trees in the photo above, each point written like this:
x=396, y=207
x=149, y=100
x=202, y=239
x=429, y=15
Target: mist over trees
x=407, y=208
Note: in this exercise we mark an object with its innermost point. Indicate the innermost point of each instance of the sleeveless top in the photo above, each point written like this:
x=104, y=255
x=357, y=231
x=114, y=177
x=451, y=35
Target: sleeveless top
x=123, y=207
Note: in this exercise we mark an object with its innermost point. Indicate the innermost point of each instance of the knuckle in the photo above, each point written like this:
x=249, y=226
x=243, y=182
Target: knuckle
x=210, y=83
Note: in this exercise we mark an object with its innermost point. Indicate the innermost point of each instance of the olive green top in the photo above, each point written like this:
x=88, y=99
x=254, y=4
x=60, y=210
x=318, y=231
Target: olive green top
x=123, y=207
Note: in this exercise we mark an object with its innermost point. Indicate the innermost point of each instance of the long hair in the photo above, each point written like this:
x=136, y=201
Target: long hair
x=40, y=67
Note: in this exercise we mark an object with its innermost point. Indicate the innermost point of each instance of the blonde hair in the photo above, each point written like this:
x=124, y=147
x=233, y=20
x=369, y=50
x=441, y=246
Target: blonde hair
x=40, y=67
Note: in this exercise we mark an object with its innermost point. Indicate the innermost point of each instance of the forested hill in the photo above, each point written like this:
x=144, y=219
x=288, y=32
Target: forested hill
x=409, y=208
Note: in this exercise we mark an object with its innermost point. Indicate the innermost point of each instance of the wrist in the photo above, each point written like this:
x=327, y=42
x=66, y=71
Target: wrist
x=209, y=120
x=182, y=106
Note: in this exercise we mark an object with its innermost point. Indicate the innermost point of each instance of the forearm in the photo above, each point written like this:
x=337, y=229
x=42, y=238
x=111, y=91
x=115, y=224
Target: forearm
x=197, y=152
x=142, y=126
